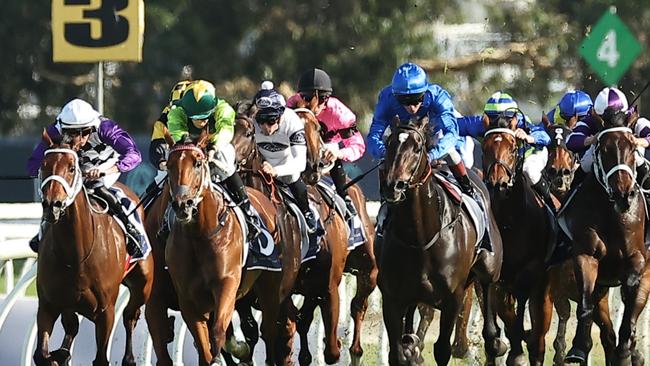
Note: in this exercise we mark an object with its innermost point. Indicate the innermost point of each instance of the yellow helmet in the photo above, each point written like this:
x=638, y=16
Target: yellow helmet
x=178, y=90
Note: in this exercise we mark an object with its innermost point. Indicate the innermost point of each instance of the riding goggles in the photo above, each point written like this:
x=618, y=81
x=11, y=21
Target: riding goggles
x=410, y=99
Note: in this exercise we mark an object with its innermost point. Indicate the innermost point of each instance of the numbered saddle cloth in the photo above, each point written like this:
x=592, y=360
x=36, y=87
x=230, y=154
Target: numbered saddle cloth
x=310, y=242
x=356, y=234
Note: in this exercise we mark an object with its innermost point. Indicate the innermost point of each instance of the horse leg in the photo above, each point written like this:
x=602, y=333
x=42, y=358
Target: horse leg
x=409, y=319
x=586, y=271
x=541, y=312
x=139, y=282
x=448, y=314
x=460, y=346
x=493, y=345
x=505, y=305
x=225, y=298
x=197, y=326
x=563, y=309
x=103, y=327
x=70, y=323
x=426, y=317
x=393, y=315
x=366, y=283
x=604, y=322
x=635, y=295
x=161, y=325
x=303, y=322
x=45, y=318
x=330, y=312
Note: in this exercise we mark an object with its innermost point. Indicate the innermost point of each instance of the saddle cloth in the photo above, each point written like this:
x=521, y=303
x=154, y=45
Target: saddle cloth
x=134, y=219
x=357, y=235
x=310, y=242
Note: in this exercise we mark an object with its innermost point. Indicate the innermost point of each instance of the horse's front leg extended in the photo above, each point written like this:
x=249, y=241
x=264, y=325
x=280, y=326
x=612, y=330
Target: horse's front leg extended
x=45, y=318
x=225, y=300
x=586, y=271
x=103, y=327
x=635, y=295
x=70, y=323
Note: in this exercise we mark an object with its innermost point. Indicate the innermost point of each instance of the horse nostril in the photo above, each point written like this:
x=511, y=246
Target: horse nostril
x=400, y=186
x=190, y=203
x=57, y=204
x=566, y=172
x=503, y=185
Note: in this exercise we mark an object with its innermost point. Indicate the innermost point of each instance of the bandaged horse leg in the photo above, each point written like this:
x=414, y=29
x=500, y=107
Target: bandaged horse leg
x=115, y=207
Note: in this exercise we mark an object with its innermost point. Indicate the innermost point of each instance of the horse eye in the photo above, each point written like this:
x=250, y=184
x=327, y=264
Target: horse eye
x=197, y=164
x=71, y=169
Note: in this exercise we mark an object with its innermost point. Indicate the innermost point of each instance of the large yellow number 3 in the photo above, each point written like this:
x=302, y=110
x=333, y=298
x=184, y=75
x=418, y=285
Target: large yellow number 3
x=114, y=27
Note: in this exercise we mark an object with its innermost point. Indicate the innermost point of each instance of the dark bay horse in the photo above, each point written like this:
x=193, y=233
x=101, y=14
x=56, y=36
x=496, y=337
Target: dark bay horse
x=527, y=233
x=606, y=219
x=428, y=254
x=562, y=162
x=82, y=261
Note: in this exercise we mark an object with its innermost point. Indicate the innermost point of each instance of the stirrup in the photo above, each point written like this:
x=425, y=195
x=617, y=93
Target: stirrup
x=350, y=207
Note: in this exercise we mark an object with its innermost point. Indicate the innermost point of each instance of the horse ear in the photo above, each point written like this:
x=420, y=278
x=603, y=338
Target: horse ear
x=546, y=121
x=47, y=139
x=572, y=122
x=394, y=122
x=423, y=122
x=597, y=118
x=203, y=139
x=168, y=137
x=632, y=118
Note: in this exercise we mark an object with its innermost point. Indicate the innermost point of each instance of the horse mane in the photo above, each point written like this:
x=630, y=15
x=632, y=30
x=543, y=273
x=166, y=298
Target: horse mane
x=245, y=108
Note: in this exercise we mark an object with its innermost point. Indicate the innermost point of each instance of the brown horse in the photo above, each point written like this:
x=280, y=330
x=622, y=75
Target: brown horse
x=428, y=254
x=606, y=219
x=562, y=162
x=361, y=260
x=526, y=229
x=82, y=262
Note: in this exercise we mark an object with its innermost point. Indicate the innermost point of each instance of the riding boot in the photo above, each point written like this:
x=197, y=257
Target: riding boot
x=299, y=191
x=35, y=241
x=338, y=176
x=460, y=173
x=115, y=208
x=544, y=189
x=237, y=191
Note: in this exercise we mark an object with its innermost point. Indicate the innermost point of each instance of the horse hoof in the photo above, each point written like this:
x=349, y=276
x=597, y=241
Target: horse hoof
x=519, y=360
x=410, y=353
x=576, y=355
x=240, y=350
x=459, y=350
x=499, y=348
x=61, y=357
x=216, y=361
x=304, y=358
x=637, y=358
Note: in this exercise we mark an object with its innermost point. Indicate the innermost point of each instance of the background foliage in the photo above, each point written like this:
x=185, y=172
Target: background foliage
x=236, y=44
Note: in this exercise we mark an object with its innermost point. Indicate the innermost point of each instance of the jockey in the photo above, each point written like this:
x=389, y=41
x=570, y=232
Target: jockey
x=574, y=104
x=343, y=142
x=280, y=138
x=200, y=109
x=158, y=148
x=411, y=94
x=107, y=151
x=611, y=100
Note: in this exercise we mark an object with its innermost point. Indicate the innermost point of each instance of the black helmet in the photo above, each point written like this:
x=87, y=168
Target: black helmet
x=315, y=79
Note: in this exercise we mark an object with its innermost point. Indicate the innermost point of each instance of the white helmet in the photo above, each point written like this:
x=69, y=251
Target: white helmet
x=78, y=114
x=610, y=98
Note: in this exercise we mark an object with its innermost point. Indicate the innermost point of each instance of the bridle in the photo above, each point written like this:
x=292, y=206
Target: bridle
x=321, y=166
x=602, y=176
x=73, y=189
x=205, y=175
x=511, y=172
x=560, y=142
x=402, y=186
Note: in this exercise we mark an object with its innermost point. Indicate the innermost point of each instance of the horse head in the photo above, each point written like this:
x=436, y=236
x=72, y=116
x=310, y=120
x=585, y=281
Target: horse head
x=188, y=174
x=244, y=141
x=501, y=160
x=614, y=157
x=562, y=162
x=315, y=146
x=406, y=165
x=60, y=165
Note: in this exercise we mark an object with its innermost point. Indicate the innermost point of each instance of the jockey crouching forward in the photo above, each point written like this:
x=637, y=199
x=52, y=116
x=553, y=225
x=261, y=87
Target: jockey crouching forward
x=106, y=152
x=343, y=141
x=200, y=109
x=280, y=138
x=410, y=94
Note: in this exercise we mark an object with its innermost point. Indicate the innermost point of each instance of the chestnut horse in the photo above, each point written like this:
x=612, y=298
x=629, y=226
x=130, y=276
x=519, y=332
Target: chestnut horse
x=82, y=261
x=361, y=260
x=527, y=233
x=428, y=254
x=606, y=219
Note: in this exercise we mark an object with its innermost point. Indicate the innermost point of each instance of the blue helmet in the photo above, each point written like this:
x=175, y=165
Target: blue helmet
x=575, y=103
x=409, y=79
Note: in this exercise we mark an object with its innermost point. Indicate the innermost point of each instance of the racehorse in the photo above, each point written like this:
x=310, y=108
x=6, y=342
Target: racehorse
x=428, y=254
x=82, y=261
x=360, y=261
x=606, y=219
x=562, y=162
x=527, y=232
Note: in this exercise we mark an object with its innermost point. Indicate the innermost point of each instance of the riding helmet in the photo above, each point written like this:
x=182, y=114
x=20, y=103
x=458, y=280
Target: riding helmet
x=199, y=99
x=409, y=79
x=575, y=103
x=314, y=79
x=78, y=113
x=610, y=98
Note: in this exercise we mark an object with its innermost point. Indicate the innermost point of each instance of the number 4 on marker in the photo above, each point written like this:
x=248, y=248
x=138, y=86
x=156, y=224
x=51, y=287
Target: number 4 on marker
x=607, y=51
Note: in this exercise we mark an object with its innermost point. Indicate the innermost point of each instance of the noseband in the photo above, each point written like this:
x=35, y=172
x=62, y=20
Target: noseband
x=603, y=176
x=512, y=173
x=73, y=189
